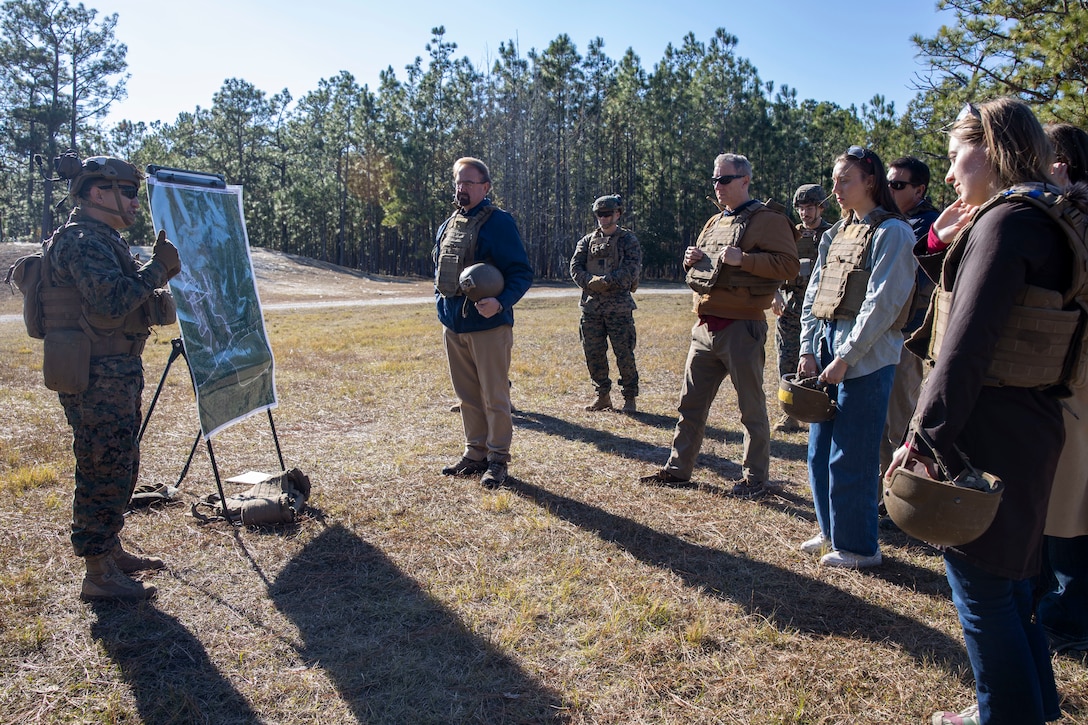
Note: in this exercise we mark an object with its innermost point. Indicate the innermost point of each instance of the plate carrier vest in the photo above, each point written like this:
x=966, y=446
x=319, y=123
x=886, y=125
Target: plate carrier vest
x=1043, y=343
x=603, y=255
x=457, y=249
x=726, y=230
x=63, y=308
x=845, y=275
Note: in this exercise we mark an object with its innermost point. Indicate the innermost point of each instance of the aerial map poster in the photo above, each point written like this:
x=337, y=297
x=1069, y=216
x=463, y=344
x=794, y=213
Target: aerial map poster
x=219, y=312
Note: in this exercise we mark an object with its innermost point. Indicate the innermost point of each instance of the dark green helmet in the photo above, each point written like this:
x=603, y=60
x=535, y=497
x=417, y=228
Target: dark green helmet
x=481, y=281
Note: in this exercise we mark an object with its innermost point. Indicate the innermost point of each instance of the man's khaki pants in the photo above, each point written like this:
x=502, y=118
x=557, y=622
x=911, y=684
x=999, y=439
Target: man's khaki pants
x=737, y=352
x=480, y=371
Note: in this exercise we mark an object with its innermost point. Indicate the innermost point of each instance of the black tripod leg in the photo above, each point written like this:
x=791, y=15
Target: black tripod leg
x=276, y=439
x=176, y=350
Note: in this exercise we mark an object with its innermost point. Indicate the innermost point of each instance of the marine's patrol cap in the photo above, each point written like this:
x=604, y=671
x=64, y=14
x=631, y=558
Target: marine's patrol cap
x=810, y=194
x=610, y=202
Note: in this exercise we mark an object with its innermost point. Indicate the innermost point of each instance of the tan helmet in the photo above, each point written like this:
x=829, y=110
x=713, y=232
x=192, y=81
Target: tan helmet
x=480, y=281
x=943, y=513
x=105, y=168
x=805, y=399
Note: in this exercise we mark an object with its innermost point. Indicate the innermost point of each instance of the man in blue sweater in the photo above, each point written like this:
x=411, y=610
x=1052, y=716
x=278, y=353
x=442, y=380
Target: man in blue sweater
x=478, y=336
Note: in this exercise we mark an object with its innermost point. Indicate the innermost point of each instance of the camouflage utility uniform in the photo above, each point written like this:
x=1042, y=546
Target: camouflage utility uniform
x=787, y=331
x=607, y=307
x=105, y=418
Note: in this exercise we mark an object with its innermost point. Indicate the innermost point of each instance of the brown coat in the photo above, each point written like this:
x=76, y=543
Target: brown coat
x=770, y=251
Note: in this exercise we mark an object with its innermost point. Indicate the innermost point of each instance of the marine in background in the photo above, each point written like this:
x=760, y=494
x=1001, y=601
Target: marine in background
x=606, y=265
x=809, y=201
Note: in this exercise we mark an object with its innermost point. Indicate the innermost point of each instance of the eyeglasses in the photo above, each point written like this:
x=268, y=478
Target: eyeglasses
x=459, y=184
x=603, y=214
x=863, y=155
x=900, y=185
x=726, y=178
x=129, y=192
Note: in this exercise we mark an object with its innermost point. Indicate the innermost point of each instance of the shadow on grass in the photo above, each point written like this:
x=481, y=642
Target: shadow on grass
x=394, y=653
x=626, y=446
x=786, y=598
x=171, y=677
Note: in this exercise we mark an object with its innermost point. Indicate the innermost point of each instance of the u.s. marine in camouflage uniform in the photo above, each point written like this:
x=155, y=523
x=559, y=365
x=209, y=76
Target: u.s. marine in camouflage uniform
x=116, y=302
x=810, y=202
x=606, y=265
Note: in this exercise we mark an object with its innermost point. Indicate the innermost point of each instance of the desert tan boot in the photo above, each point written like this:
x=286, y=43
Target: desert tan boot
x=104, y=580
x=129, y=563
x=603, y=402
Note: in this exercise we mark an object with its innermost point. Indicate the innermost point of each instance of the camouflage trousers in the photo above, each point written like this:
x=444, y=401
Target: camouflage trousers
x=595, y=331
x=787, y=341
x=105, y=420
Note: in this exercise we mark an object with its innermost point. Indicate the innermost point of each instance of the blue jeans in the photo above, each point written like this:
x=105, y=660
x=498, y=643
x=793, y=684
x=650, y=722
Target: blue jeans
x=1063, y=609
x=844, y=462
x=1014, y=681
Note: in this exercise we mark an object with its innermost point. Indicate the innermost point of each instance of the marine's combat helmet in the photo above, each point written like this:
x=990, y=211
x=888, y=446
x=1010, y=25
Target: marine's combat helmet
x=943, y=513
x=101, y=168
x=805, y=399
x=608, y=202
x=810, y=194
x=80, y=173
x=481, y=280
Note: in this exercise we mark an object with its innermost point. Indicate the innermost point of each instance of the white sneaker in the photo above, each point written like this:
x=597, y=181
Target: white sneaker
x=816, y=544
x=850, y=560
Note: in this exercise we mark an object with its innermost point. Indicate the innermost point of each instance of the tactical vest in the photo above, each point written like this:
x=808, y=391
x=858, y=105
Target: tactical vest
x=808, y=250
x=845, y=275
x=63, y=308
x=457, y=249
x=603, y=255
x=726, y=230
x=1045, y=339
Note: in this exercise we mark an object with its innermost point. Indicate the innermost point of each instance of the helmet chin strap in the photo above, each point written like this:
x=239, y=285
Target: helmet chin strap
x=121, y=210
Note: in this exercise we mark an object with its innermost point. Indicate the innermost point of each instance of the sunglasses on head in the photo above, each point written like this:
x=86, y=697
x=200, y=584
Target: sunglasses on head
x=129, y=192
x=725, y=178
x=968, y=111
x=900, y=185
x=863, y=155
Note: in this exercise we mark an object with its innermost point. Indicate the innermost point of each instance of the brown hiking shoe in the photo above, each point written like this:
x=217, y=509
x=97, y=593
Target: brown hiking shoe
x=629, y=405
x=749, y=489
x=465, y=467
x=104, y=580
x=129, y=563
x=494, y=476
x=603, y=402
x=667, y=479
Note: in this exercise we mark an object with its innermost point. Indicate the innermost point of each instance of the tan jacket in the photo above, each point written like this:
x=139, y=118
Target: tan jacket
x=770, y=251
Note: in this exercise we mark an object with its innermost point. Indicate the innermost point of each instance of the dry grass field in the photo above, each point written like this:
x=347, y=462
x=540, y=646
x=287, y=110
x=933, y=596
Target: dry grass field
x=575, y=594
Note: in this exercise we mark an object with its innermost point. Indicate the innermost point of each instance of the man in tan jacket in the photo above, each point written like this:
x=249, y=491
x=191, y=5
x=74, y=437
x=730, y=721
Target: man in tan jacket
x=741, y=258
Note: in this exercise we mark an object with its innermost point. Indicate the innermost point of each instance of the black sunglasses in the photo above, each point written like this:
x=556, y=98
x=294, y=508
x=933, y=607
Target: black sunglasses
x=603, y=214
x=129, y=192
x=863, y=155
x=726, y=178
x=900, y=185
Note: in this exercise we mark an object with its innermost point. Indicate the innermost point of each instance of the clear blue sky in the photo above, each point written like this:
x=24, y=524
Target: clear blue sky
x=179, y=53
